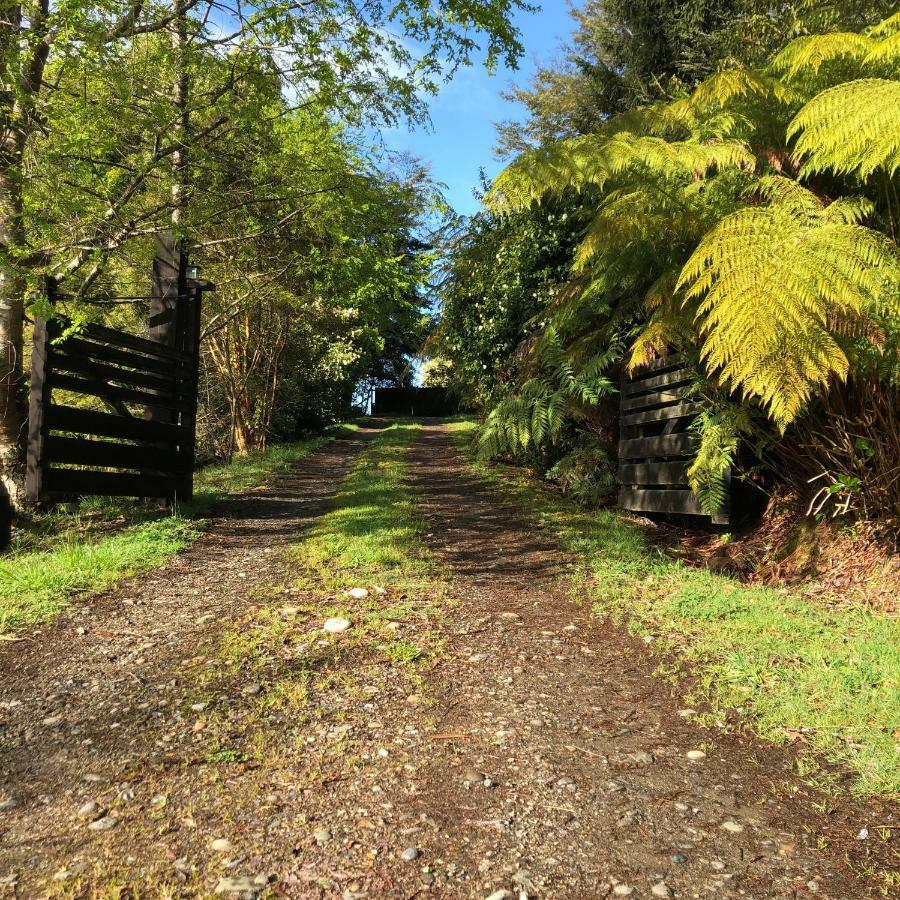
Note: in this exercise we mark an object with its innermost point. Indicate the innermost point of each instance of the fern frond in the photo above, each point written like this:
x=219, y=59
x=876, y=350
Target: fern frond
x=852, y=127
x=594, y=159
x=886, y=28
x=810, y=53
x=652, y=343
x=720, y=431
x=884, y=52
x=767, y=280
x=720, y=89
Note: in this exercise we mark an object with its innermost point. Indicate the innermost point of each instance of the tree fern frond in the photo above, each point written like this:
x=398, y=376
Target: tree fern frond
x=853, y=324
x=788, y=193
x=652, y=343
x=849, y=210
x=662, y=291
x=594, y=159
x=720, y=431
x=811, y=52
x=884, y=52
x=852, y=127
x=768, y=279
x=722, y=87
x=886, y=28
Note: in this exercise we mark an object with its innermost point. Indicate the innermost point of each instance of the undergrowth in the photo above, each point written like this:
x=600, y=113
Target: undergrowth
x=61, y=553
x=796, y=670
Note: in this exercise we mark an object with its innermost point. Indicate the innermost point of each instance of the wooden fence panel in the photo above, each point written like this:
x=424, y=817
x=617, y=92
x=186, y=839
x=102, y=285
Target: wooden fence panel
x=656, y=444
x=130, y=429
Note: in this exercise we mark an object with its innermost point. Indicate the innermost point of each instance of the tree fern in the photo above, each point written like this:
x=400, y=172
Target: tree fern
x=595, y=159
x=852, y=127
x=768, y=278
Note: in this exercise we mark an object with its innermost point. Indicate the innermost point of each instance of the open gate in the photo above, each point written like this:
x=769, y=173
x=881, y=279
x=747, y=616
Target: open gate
x=114, y=414
x=656, y=444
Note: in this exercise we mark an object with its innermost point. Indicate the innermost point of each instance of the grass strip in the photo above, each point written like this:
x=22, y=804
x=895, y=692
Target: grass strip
x=63, y=554
x=370, y=541
x=373, y=534
x=796, y=670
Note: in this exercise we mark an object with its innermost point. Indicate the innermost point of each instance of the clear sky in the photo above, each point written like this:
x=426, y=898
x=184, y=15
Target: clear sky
x=462, y=134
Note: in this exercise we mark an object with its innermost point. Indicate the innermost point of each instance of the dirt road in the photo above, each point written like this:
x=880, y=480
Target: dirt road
x=539, y=756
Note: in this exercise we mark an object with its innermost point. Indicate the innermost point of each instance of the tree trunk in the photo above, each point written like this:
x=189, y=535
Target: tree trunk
x=12, y=312
x=180, y=95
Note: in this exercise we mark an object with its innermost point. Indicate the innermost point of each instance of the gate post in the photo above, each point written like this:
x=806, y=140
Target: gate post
x=38, y=399
x=189, y=308
x=168, y=284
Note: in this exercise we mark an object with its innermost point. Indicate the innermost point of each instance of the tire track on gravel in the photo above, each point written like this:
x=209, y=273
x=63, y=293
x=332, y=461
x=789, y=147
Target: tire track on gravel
x=94, y=691
x=590, y=791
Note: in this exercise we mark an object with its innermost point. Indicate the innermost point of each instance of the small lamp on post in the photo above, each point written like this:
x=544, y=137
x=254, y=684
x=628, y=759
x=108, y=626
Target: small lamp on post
x=193, y=272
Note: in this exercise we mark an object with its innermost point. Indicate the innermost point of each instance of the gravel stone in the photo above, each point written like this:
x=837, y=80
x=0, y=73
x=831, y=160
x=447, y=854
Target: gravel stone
x=239, y=884
x=336, y=625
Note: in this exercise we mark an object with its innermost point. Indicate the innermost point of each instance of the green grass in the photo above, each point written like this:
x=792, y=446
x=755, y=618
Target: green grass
x=59, y=555
x=796, y=670
x=372, y=536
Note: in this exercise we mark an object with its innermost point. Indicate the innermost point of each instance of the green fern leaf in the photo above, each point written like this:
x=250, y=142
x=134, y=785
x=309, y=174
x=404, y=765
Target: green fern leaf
x=768, y=279
x=852, y=127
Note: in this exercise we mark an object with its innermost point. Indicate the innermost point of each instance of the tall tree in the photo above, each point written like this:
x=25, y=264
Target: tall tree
x=374, y=60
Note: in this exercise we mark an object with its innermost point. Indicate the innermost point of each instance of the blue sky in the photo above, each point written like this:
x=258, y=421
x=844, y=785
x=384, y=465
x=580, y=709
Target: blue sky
x=464, y=112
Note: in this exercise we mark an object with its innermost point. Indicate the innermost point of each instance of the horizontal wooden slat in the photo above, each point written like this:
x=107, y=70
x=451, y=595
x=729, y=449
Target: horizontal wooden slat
x=672, y=361
x=63, y=482
x=76, y=346
x=653, y=473
x=84, y=421
x=134, y=342
x=671, y=396
x=666, y=445
x=95, y=388
x=662, y=413
x=668, y=379
x=660, y=501
x=103, y=372
x=102, y=454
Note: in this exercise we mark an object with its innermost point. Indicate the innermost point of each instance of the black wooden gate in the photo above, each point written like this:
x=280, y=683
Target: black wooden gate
x=114, y=414
x=656, y=445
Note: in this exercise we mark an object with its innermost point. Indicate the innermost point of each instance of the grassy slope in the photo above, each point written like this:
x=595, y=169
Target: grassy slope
x=61, y=554
x=796, y=670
